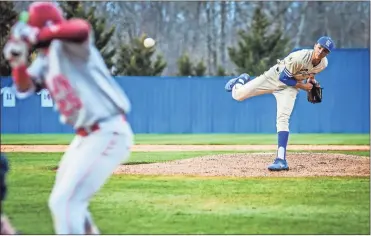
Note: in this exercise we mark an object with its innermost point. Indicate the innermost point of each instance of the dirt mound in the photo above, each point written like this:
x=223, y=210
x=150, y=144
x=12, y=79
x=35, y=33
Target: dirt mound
x=255, y=165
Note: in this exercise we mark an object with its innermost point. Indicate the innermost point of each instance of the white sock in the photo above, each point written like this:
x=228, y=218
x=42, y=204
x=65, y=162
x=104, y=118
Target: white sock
x=281, y=153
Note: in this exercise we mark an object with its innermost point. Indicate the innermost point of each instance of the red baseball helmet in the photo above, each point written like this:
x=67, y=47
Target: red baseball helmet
x=42, y=13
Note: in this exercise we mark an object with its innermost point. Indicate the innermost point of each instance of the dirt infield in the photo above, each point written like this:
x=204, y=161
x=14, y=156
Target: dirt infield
x=183, y=148
x=255, y=165
x=238, y=164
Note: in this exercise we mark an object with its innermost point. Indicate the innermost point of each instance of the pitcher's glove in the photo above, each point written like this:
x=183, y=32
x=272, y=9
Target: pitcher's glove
x=315, y=94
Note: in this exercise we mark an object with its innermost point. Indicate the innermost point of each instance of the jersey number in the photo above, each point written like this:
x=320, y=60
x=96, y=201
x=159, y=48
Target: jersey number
x=64, y=96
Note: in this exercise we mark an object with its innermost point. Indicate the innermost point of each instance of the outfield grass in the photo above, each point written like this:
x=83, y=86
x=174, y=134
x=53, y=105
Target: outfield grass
x=309, y=139
x=190, y=205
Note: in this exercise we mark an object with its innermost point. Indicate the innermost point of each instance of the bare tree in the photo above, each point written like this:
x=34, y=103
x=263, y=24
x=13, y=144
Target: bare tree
x=206, y=29
x=209, y=37
x=303, y=17
x=223, y=16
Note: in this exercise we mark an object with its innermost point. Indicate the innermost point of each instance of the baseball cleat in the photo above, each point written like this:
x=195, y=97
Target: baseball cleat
x=278, y=165
x=242, y=79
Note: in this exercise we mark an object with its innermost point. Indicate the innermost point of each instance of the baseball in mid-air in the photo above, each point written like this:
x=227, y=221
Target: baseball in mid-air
x=149, y=42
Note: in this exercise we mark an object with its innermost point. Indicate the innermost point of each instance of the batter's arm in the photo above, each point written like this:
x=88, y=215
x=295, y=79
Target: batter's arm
x=16, y=53
x=74, y=30
x=27, y=80
x=22, y=80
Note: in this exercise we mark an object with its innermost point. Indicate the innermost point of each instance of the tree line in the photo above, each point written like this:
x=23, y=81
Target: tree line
x=237, y=37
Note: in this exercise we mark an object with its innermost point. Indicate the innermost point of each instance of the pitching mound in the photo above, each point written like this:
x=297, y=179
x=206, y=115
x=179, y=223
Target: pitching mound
x=255, y=165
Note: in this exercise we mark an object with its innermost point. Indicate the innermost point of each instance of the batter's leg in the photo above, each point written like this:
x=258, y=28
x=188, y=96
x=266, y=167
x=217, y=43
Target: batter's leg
x=95, y=159
x=90, y=227
x=66, y=159
x=285, y=103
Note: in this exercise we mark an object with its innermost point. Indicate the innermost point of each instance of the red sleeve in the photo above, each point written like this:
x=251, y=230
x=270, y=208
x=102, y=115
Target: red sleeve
x=21, y=78
x=74, y=30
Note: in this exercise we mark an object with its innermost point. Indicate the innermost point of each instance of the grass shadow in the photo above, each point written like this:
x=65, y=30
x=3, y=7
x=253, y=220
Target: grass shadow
x=136, y=163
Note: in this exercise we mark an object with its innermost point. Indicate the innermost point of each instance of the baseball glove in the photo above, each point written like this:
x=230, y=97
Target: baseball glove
x=315, y=94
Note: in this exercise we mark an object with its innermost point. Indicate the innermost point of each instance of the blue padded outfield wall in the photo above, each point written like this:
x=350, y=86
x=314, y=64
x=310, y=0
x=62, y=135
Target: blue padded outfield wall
x=200, y=105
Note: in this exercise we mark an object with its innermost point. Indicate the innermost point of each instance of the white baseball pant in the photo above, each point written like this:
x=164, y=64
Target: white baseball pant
x=86, y=165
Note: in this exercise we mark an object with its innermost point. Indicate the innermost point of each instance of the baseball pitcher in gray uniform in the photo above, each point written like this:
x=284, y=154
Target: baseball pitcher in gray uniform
x=284, y=80
x=87, y=97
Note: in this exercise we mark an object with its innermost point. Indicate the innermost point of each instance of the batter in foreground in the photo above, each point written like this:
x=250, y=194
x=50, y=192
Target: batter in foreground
x=6, y=227
x=87, y=97
x=284, y=80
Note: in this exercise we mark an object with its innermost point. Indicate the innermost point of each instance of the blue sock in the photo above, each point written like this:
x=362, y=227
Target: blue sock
x=283, y=137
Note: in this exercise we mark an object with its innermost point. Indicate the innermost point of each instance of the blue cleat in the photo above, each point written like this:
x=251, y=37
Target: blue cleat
x=242, y=79
x=278, y=165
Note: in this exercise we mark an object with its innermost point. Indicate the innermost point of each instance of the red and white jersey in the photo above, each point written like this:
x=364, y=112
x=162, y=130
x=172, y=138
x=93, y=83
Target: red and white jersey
x=83, y=90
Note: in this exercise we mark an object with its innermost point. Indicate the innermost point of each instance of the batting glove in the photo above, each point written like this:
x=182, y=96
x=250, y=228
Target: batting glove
x=22, y=31
x=16, y=52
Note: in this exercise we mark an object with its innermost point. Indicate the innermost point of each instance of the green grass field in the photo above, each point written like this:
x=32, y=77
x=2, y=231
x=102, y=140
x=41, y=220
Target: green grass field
x=190, y=205
x=134, y=204
x=237, y=139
